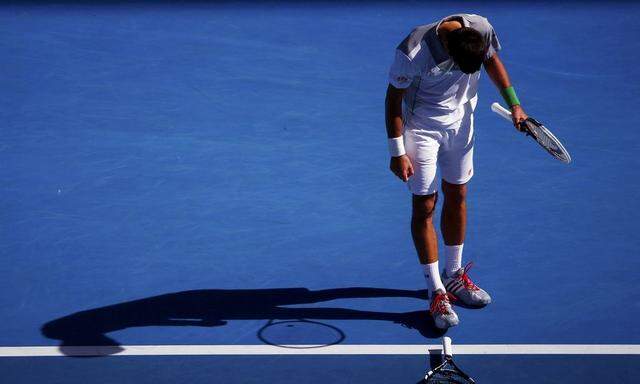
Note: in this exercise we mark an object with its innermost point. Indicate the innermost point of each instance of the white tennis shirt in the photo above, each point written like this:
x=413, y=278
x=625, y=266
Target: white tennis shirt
x=436, y=89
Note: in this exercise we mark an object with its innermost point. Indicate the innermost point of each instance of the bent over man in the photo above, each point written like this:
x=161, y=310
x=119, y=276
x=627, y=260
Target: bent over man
x=429, y=117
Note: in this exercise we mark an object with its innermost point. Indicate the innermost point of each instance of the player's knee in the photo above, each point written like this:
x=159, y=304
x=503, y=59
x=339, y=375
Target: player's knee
x=454, y=193
x=423, y=207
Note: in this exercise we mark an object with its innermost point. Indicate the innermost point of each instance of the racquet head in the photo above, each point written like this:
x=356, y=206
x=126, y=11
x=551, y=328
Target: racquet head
x=447, y=372
x=546, y=139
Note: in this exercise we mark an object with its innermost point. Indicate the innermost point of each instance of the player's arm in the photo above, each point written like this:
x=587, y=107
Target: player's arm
x=498, y=74
x=400, y=164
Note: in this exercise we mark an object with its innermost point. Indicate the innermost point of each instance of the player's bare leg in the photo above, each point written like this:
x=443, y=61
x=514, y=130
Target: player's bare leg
x=422, y=229
x=426, y=243
x=453, y=219
x=453, y=223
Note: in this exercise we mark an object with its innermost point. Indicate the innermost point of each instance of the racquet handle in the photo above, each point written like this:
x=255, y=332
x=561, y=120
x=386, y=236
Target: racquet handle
x=500, y=110
x=446, y=346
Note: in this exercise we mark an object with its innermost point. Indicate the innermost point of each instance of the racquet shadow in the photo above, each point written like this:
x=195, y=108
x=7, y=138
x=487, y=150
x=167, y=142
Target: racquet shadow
x=215, y=307
x=435, y=359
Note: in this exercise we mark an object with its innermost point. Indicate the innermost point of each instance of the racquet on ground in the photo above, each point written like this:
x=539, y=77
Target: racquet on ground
x=539, y=132
x=447, y=372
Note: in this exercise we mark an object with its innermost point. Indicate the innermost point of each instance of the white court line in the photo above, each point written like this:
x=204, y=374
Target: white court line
x=342, y=349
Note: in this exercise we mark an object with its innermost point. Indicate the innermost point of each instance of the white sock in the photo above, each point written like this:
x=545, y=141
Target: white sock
x=432, y=275
x=453, y=259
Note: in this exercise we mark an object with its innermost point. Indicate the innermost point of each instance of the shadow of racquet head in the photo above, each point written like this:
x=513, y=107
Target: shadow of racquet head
x=300, y=334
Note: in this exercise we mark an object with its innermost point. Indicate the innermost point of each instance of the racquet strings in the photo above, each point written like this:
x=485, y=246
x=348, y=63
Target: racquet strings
x=547, y=140
x=449, y=374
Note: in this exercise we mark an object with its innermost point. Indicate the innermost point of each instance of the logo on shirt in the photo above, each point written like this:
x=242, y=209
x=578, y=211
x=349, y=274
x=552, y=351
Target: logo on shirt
x=402, y=79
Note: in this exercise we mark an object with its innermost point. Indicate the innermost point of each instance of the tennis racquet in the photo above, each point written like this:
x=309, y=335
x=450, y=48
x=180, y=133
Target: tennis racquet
x=539, y=132
x=447, y=372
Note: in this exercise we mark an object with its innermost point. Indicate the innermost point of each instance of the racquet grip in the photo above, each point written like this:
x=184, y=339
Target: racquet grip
x=500, y=110
x=446, y=346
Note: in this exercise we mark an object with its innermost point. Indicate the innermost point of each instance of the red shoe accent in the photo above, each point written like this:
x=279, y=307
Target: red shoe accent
x=466, y=280
x=438, y=303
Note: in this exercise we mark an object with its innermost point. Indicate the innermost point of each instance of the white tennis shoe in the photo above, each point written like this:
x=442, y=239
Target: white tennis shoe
x=443, y=315
x=464, y=289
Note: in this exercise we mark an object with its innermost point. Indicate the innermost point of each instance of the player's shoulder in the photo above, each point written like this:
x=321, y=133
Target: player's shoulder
x=477, y=22
x=412, y=43
x=474, y=17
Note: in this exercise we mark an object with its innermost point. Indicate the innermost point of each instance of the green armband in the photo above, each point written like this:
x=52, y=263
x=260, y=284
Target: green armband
x=509, y=95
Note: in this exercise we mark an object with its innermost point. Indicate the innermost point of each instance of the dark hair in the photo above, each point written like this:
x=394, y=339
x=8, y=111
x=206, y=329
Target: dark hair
x=467, y=48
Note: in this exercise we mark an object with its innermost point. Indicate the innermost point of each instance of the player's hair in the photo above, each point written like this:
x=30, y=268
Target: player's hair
x=467, y=48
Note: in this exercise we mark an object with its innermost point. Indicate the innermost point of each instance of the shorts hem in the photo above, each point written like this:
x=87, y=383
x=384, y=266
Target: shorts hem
x=459, y=181
x=423, y=192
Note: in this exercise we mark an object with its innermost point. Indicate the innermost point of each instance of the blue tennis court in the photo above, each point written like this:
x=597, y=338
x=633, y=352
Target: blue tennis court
x=200, y=192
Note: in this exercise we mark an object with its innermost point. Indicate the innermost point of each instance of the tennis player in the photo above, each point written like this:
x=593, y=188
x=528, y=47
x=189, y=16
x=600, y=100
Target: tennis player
x=429, y=116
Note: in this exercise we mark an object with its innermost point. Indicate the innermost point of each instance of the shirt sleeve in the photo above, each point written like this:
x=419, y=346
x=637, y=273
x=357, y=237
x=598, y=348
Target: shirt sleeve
x=491, y=38
x=403, y=70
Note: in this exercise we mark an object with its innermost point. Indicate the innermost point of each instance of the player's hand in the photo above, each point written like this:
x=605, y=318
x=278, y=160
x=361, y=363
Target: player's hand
x=518, y=115
x=401, y=166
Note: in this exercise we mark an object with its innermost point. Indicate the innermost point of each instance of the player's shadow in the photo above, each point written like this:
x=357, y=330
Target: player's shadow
x=215, y=307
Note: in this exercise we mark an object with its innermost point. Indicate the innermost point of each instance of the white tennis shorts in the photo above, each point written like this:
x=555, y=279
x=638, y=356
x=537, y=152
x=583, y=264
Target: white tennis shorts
x=448, y=149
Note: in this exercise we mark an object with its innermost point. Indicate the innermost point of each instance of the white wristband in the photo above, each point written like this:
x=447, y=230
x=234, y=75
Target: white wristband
x=396, y=147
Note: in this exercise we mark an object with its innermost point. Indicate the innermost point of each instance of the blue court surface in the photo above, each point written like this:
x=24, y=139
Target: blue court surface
x=199, y=192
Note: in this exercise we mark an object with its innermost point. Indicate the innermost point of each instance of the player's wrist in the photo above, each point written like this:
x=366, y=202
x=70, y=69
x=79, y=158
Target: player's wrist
x=510, y=97
x=396, y=146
